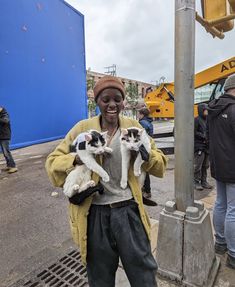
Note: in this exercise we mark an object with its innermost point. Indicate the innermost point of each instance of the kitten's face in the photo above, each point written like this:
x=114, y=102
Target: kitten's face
x=96, y=142
x=131, y=138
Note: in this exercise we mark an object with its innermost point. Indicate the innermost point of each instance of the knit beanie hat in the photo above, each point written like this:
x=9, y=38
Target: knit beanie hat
x=107, y=82
x=229, y=83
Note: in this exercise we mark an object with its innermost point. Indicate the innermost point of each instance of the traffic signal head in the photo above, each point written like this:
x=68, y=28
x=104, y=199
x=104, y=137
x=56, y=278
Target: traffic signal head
x=217, y=12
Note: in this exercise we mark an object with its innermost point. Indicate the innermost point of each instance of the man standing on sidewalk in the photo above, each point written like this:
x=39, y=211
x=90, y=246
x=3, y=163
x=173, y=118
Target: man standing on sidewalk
x=221, y=119
x=5, y=137
x=201, y=149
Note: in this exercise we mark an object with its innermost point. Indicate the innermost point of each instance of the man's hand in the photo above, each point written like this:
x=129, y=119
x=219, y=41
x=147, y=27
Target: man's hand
x=144, y=153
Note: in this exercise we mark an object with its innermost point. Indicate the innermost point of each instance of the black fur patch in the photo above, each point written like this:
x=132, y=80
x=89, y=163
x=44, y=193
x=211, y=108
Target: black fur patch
x=82, y=145
x=95, y=139
x=133, y=132
x=72, y=148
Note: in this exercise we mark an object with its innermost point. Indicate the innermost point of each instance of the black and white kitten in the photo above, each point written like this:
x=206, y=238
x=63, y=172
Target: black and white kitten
x=131, y=140
x=86, y=145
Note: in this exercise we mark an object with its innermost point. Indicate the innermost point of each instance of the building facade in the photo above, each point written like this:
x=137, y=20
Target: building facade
x=135, y=92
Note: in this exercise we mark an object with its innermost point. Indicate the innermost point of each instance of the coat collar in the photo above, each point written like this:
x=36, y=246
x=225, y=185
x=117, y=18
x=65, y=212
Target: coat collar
x=95, y=122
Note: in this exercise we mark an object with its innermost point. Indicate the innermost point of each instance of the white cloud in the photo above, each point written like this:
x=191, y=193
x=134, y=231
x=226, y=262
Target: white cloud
x=138, y=36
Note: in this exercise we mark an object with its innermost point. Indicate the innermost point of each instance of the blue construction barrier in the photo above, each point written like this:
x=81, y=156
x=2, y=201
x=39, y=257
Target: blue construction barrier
x=42, y=69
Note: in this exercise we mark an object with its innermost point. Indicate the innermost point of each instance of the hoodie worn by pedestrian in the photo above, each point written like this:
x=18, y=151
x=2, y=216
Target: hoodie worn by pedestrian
x=146, y=123
x=221, y=120
x=5, y=128
x=200, y=128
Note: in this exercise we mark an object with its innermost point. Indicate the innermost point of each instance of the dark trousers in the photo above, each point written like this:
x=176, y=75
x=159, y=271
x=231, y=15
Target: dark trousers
x=6, y=152
x=201, y=164
x=114, y=233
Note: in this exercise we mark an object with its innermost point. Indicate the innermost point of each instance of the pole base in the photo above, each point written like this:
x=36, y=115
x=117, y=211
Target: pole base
x=185, y=249
x=211, y=278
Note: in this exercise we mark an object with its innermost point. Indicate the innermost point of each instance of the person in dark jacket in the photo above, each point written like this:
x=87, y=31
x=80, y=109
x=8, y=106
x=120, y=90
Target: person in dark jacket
x=221, y=120
x=201, y=149
x=5, y=137
x=146, y=123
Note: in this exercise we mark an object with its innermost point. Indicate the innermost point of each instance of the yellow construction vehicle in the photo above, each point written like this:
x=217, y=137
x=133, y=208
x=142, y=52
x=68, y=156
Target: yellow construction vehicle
x=208, y=85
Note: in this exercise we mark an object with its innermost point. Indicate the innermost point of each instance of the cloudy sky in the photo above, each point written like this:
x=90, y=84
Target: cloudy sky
x=138, y=36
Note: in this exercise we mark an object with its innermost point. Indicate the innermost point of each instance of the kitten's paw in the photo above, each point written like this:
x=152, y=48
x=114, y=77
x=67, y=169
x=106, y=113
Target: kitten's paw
x=91, y=183
x=69, y=193
x=123, y=184
x=108, y=150
x=105, y=178
x=76, y=187
x=137, y=172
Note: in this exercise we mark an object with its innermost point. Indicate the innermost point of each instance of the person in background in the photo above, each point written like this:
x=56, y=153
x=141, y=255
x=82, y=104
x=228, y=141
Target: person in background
x=113, y=225
x=5, y=137
x=201, y=149
x=146, y=123
x=97, y=110
x=221, y=128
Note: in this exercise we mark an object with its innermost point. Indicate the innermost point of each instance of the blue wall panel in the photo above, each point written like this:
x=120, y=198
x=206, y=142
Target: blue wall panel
x=42, y=68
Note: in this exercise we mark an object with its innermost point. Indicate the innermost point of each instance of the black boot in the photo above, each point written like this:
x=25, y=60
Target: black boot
x=220, y=248
x=230, y=262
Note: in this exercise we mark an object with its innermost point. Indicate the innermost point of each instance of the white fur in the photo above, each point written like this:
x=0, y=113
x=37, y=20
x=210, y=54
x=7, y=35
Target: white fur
x=79, y=179
x=126, y=148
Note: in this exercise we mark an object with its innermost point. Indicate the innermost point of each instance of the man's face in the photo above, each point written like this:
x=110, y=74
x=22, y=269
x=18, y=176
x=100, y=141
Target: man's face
x=205, y=113
x=110, y=102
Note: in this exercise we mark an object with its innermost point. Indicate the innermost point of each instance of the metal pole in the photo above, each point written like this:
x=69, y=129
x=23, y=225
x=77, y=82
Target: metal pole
x=184, y=101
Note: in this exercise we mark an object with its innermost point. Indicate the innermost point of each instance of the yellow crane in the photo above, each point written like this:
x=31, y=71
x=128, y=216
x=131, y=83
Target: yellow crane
x=208, y=85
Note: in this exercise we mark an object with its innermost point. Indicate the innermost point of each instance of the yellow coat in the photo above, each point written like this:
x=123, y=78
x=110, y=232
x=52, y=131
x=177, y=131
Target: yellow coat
x=60, y=162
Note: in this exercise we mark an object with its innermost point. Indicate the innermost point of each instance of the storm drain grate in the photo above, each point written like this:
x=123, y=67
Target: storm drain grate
x=66, y=272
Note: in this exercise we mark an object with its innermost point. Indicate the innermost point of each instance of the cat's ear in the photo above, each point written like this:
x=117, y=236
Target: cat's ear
x=104, y=134
x=75, y=142
x=124, y=132
x=88, y=137
x=141, y=131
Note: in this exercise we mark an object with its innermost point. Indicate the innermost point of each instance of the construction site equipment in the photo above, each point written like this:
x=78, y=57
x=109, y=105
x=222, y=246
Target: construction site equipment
x=208, y=85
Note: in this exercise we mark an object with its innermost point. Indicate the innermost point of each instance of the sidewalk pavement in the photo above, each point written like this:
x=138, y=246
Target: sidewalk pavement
x=162, y=191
